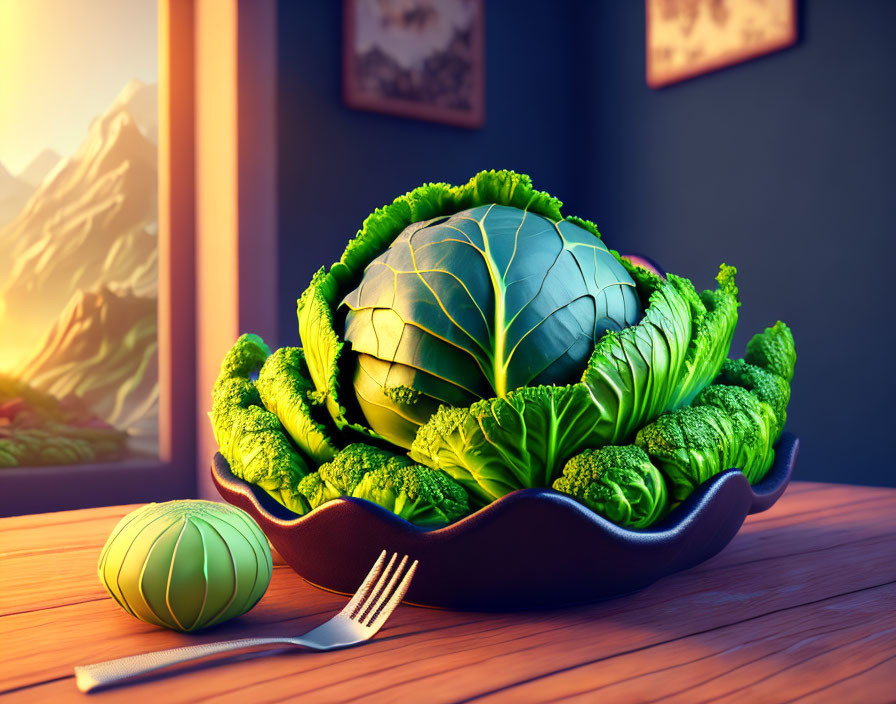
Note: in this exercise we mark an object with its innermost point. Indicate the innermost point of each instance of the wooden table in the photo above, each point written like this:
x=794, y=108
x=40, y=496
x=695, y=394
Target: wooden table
x=799, y=606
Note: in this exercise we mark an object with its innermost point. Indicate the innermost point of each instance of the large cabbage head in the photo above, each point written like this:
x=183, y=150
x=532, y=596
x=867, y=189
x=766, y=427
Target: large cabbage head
x=495, y=338
x=475, y=304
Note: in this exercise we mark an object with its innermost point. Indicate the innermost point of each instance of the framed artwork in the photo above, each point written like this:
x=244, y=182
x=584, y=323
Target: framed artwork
x=421, y=59
x=688, y=37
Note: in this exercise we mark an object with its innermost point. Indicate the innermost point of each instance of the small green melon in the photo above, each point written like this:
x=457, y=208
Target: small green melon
x=187, y=564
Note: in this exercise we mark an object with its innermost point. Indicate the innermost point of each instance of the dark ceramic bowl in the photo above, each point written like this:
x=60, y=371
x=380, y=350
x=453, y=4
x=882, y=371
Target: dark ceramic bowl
x=531, y=548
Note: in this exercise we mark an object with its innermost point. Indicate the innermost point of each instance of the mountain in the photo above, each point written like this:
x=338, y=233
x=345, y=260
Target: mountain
x=140, y=101
x=103, y=349
x=14, y=193
x=92, y=222
x=40, y=166
x=79, y=270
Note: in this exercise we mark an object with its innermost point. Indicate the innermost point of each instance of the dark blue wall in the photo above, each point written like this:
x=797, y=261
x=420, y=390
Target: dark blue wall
x=337, y=165
x=784, y=166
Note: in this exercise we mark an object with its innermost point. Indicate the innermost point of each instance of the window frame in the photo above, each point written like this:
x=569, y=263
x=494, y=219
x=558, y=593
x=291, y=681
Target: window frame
x=59, y=487
x=217, y=65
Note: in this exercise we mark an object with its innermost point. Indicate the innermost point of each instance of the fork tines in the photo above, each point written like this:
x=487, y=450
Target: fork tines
x=372, y=603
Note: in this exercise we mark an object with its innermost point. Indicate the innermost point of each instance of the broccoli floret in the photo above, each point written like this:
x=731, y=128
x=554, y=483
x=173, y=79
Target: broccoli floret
x=350, y=465
x=617, y=482
x=418, y=494
x=249, y=437
x=754, y=424
x=689, y=446
x=316, y=490
x=733, y=423
x=423, y=496
x=773, y=350
x=767, y=387
x=341, y=475
x=245, y=357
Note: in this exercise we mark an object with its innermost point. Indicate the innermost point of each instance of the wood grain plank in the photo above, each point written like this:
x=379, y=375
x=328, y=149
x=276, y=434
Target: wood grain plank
x=59, y=518
x=805, y=532
x=463, y=675
x=874, y=683
x=754, y=660
x=29, y=580
x=47, y=642
x=33, y=577
x=781, y=561
x=467, y=658
x=40, y=581
x=46, y=565
x=86, y=532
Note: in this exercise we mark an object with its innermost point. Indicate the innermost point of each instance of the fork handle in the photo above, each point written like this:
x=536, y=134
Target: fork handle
x=90, y=677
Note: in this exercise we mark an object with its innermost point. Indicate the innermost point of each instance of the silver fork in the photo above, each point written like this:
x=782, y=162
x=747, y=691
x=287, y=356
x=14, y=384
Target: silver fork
x=359, y=621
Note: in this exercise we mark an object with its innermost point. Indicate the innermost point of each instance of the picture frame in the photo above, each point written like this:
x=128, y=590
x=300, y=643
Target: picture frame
x=420, y=59
x=687, y=38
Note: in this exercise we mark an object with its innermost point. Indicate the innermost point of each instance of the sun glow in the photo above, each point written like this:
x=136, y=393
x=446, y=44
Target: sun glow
x=62, y=63
x=11, y=78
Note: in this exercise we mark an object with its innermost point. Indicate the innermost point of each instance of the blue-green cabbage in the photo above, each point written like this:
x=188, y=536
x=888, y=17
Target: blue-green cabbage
x=477, y=332
x=472, y=306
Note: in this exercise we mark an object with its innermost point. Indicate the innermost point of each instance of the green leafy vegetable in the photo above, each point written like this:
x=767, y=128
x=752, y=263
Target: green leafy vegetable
x=713, y=320
x=774, y=351
x=249, y=437
x=499, y=445
x=503, y=346
x=316, y=306
x=689, y=445
x=524, y=439
x=477, y=304
x=418, y=494
x=617, y=482
x=341, y=475
x=286, y=391
x=733, y=423
x=767, y=387
x=754, y=421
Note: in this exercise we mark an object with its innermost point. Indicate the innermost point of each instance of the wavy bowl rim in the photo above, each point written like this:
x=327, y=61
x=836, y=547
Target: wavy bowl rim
x=764, y=495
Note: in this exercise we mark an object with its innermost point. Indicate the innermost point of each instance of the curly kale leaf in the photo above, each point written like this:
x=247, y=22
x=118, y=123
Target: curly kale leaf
x=713, y=321
x=286, y=391
x=499, y=445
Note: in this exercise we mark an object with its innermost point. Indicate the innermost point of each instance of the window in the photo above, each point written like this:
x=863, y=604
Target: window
x=86, y=291
x=216, y=229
